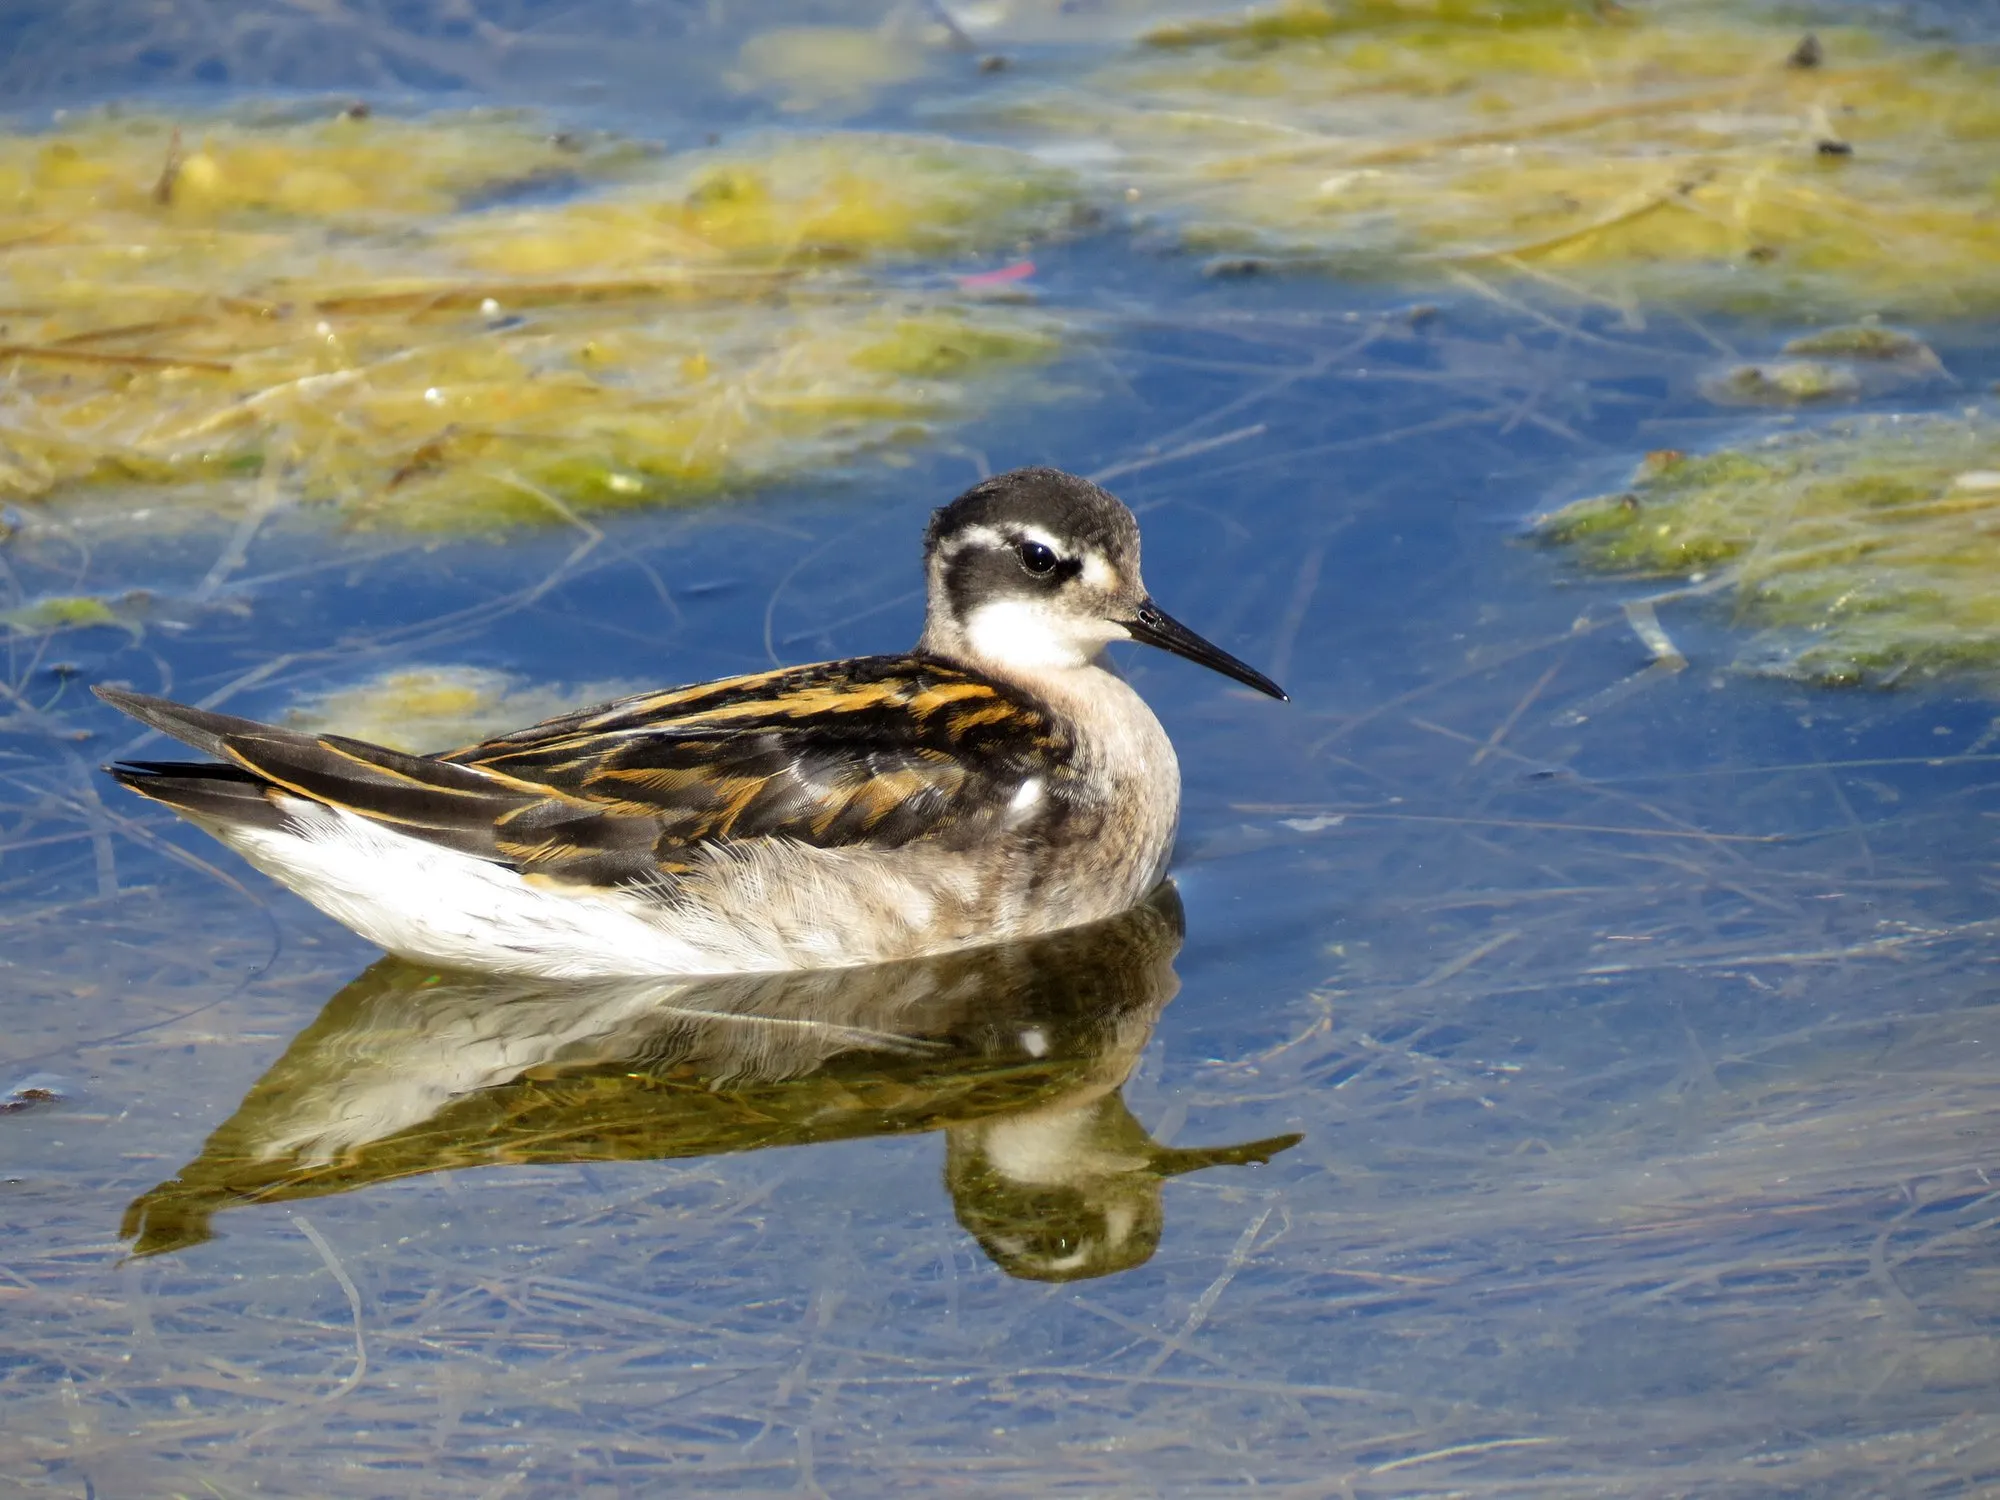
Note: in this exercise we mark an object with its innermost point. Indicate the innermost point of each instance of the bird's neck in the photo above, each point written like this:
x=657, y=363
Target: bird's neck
x=1113, y=724
x=1070, y=675
x=1023, y=642
x=1070, y=683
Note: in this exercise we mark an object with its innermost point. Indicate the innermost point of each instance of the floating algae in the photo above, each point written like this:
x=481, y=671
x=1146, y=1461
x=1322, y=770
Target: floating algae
x=426, y=709
x=1674, y=149
x=1827, y=367
x=1866, y=551
x=1784, y=382
x=237, y=175
x=360, y=308
x=61, y=612
x=789, y=201
x=836, y=68
x=1865, y=341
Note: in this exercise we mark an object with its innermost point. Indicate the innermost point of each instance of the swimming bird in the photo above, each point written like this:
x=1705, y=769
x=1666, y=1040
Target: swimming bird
x=998, y=781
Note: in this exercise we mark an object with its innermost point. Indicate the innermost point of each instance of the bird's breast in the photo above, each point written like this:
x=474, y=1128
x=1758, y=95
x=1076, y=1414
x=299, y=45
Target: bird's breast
x=1126, y=792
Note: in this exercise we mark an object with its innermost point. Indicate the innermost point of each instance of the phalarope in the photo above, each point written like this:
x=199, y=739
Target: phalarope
x=998, y=781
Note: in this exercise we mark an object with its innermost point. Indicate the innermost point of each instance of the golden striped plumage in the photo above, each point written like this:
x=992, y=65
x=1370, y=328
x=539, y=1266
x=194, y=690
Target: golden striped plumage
x=880, y=751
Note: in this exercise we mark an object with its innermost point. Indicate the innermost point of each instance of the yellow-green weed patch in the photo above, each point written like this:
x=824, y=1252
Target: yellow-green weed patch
x=421, y=709
x=838, y=68
x=327, y=305
x=1866, y=552
x=1667, y=149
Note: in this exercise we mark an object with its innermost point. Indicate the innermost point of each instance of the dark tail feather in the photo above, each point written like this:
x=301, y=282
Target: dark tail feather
x=191, y=726
x=441, y=801
x=213, y=794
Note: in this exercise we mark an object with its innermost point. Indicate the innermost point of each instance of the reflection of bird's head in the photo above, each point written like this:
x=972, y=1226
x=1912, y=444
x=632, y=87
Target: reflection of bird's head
x=1067, y=1185
x=1057, y=1194
x=1066, y=1193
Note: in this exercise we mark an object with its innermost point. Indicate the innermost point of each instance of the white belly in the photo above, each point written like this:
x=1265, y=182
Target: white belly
x=758, y=909
x=442, y=907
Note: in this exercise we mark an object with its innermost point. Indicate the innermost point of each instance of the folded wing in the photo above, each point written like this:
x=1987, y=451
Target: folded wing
x=879, y=752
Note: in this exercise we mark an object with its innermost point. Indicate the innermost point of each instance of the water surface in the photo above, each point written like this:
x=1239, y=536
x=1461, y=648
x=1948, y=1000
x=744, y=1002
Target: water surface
x=1637, y=1028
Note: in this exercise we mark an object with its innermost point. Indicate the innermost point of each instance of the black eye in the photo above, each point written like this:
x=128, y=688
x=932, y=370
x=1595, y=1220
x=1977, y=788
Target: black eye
x=1037, y=559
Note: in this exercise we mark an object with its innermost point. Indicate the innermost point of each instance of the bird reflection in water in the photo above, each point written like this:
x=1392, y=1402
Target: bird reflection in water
x=1016, y=1052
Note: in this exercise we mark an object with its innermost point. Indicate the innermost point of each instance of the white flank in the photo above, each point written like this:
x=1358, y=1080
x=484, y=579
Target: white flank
x=435, y=904
x=759, y=908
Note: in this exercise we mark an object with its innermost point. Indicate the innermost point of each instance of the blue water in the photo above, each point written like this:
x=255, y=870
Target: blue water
x=1639, y=1032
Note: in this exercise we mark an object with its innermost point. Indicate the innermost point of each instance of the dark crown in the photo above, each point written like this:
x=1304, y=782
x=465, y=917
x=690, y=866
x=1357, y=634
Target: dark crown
x=1069, y=509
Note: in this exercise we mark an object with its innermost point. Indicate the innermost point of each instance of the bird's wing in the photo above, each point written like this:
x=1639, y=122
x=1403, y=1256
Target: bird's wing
x=879, y=752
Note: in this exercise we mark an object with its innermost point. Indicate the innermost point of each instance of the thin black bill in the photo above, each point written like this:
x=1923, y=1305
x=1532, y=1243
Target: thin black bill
x=1156, y=627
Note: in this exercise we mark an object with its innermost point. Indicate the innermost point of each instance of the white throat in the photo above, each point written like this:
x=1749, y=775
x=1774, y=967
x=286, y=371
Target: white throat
x=1025, y=637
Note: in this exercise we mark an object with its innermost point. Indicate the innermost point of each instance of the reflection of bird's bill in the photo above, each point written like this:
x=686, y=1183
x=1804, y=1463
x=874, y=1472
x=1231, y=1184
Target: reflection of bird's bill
x=408, y=1070
x=1173, y=1161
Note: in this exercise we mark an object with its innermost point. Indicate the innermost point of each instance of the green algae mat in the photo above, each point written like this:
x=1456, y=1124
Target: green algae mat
x=1866, y=553
x=465, y=319
x=1699, y=153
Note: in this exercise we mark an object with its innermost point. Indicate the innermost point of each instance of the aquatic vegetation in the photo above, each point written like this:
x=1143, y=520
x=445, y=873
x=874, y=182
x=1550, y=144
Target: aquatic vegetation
x=236, y=174
x=786, y=202
x=1674, y=149
x=428, y=708
x=62, y=612
x=839, y=68
x=1865, y=341
x=362, y=309
x=1785, y=382
x=1864, y=551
